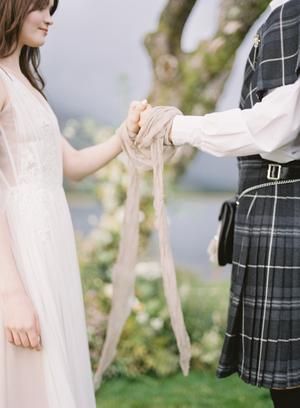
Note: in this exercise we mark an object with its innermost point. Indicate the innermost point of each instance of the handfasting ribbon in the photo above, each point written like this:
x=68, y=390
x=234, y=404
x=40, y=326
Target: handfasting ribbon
x=146, y=152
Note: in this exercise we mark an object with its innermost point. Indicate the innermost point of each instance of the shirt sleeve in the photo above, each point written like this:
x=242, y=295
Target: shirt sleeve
x=269, y=125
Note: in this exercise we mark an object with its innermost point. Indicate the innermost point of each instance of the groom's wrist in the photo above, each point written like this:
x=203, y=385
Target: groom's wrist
x=183, y=129
x=168, y=136
x=171, y=137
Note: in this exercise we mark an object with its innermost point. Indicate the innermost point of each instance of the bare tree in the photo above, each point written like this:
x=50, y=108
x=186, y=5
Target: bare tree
x=194, y=81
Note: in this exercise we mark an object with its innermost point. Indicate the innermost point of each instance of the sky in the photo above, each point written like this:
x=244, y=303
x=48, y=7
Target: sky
x=94, y=60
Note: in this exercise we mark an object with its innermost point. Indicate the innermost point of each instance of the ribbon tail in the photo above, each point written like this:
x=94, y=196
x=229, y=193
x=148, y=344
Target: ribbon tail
x=123, y=278
x=167, y=261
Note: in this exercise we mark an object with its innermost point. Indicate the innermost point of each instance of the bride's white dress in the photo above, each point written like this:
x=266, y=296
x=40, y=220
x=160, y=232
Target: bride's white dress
x=33, y=202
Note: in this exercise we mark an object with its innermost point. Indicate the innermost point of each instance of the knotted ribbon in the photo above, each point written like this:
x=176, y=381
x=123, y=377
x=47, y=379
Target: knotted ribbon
x=145, y=152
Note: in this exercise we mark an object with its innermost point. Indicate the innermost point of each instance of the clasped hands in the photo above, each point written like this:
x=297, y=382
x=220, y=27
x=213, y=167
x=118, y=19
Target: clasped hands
x=138, y=115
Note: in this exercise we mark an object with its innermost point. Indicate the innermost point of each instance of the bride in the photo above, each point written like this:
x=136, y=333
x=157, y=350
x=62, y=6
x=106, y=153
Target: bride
x=44, y=358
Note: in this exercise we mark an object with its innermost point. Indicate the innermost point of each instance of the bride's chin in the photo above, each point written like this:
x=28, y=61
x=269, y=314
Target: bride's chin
x=36, y=44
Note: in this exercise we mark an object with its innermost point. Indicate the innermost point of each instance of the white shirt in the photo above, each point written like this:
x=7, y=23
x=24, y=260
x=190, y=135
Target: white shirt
x=276, y=3
x=270, y=128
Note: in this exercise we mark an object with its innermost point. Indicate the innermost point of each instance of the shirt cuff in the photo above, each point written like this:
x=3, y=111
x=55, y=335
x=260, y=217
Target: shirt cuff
x=183, y=130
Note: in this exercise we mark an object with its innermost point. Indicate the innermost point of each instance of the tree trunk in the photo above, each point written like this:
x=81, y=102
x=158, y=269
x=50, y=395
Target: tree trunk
x=194, y=81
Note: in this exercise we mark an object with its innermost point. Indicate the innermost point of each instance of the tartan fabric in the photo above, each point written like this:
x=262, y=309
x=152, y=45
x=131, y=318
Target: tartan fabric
x=262, y=340
x=275, y=58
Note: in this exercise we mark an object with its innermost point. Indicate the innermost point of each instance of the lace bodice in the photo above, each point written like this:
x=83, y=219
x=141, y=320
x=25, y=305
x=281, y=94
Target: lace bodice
x=30, y=140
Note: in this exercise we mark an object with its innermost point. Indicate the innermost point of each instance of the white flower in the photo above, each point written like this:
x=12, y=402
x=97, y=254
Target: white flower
x=216, y=44
x=211, y=339
x=232, y=27
x=108, y=290
x=103, y=236
x=142, y=317
x=148, y=270
x=210, y=357
x=156, y=323
x=184, y=290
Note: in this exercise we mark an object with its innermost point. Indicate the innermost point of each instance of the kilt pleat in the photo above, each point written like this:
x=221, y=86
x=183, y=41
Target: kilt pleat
x=262, y=339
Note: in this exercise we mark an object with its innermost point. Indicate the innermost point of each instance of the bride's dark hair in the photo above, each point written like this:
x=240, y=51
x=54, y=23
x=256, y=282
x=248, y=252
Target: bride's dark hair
x=12, y=16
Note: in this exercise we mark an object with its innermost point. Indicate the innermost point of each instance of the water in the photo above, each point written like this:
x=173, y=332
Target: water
x=85, y=215
x=192, y=221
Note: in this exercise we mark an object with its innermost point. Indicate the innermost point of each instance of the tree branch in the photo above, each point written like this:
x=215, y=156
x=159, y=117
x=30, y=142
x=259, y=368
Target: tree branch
x=194, y=81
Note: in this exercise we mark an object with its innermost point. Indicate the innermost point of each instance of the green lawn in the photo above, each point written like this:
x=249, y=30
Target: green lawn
x=198, y=390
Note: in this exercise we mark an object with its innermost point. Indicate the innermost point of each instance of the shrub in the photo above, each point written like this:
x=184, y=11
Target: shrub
x=147, y=344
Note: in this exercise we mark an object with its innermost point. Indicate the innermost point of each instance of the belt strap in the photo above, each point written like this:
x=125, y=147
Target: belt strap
x=277, y=171
x=273, y=171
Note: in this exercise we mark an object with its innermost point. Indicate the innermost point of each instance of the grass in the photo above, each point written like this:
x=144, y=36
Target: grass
x=198, y=390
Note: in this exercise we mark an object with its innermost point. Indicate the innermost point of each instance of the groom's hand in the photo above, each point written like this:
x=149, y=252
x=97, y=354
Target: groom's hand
x=143, y=119
x=144, y=115
x=134, y=114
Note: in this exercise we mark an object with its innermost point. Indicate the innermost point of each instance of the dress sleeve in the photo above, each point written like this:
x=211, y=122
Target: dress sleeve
x=270, y=124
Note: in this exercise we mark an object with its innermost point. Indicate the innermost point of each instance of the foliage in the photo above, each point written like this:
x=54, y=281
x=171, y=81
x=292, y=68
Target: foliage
x=147, y=345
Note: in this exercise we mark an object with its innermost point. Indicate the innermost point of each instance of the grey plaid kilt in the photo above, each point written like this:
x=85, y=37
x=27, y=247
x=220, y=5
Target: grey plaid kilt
x=262, y=339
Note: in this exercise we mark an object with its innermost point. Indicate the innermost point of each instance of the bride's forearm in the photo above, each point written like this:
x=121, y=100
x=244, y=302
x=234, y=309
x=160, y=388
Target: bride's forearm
x=90, y=159
x=78, y=164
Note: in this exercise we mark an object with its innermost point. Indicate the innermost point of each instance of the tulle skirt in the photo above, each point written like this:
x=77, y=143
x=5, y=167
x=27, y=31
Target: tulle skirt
x=42, y=239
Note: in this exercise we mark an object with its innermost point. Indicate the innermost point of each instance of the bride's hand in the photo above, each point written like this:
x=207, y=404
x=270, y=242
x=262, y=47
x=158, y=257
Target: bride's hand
x=133, y=118
x=21, y=321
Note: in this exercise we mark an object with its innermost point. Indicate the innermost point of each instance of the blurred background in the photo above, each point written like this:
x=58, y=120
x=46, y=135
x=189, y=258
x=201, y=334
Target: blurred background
x=101, y=55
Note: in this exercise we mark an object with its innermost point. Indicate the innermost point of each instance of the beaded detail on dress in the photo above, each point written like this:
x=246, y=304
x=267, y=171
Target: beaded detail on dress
x=32, y=154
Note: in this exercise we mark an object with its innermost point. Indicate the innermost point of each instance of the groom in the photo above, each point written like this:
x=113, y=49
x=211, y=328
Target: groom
x=264, y=134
